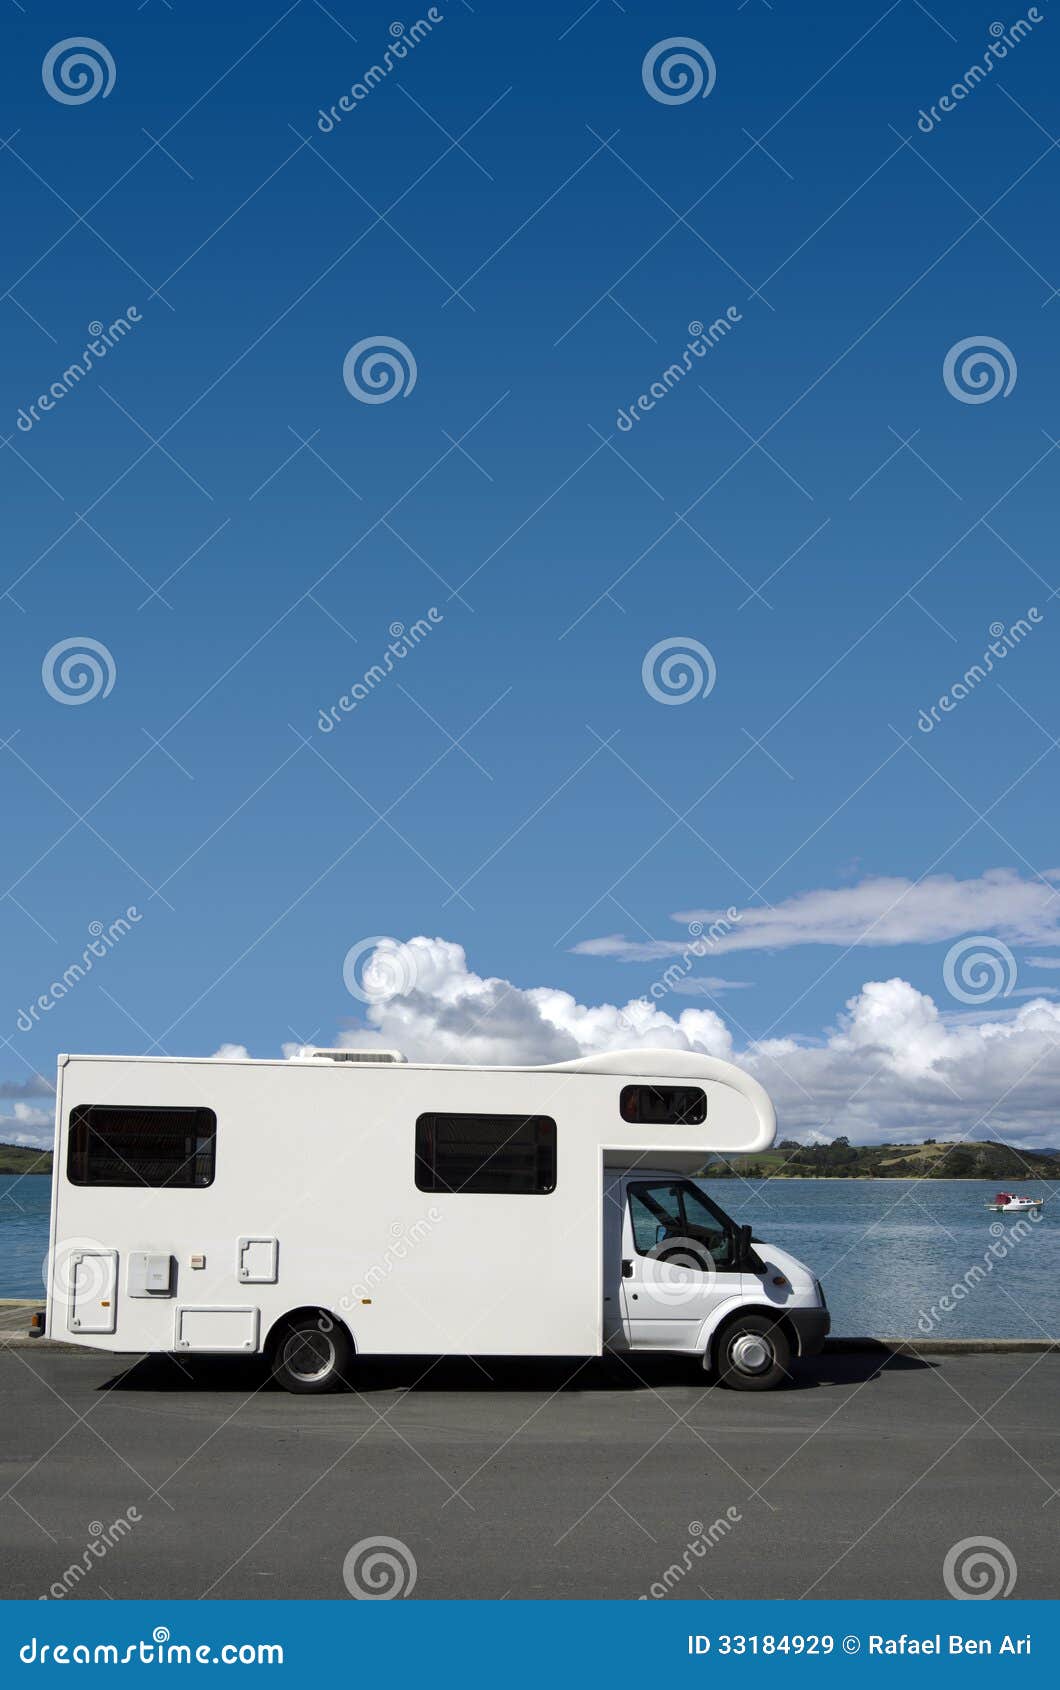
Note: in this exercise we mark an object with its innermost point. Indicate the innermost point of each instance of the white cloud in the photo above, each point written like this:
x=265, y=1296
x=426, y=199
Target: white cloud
x=891, y=1066
x=881, y=910
x=28, y=1125
x=27, y=1116
x=894, y=1066
x=450, y=1014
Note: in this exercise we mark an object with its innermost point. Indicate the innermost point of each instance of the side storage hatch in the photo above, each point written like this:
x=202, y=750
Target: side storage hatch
x=93, y=1280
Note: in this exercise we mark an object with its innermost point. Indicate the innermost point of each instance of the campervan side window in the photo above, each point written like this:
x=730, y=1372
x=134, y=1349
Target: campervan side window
x=146, y=1147
x=663, y=1106
x=511, y=1154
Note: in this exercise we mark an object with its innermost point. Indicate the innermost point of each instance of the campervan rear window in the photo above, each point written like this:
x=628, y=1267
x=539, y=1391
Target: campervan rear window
x=664, y=1106
x=152, y=1147
x=513, y=1154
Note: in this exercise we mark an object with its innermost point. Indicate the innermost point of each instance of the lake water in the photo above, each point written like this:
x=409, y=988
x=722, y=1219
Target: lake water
x=25, y=1216
x=887, y=1251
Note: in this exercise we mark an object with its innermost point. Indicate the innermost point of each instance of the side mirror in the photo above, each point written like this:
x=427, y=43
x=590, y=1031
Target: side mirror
x=742, y=1249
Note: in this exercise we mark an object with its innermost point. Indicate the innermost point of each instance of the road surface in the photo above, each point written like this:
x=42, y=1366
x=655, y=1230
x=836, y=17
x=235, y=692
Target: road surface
x=519, y=1480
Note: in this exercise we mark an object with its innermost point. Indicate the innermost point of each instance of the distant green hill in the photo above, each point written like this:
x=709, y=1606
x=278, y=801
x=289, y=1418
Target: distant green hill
x=23, y=1159
x=927, y=1160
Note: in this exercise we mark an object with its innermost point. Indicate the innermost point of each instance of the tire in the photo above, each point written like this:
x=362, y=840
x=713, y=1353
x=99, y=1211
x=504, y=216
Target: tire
x=753, y=1354
x=312, y=1354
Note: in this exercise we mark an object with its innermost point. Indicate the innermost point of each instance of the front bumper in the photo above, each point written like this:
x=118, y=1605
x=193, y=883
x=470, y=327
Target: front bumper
x=811, y=1328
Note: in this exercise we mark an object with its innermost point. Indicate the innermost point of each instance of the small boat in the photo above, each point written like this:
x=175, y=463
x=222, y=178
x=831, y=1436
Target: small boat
x=1006, y=1204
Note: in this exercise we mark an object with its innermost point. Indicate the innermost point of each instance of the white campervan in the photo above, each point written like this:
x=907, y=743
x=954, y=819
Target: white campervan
x=347, y=1203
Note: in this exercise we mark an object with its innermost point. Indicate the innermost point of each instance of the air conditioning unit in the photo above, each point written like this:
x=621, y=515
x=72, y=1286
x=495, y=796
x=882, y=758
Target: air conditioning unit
x=354, y=1055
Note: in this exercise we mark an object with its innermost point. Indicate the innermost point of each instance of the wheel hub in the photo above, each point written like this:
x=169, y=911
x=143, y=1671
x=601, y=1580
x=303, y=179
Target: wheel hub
x=752, y=1353
x=309, y=1355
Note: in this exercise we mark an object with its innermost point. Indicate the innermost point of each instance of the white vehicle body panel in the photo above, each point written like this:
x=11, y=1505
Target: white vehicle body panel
x=314, y=1205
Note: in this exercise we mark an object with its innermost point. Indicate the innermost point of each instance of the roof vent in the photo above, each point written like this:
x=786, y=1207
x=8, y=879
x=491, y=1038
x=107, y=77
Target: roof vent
x=356, y=1055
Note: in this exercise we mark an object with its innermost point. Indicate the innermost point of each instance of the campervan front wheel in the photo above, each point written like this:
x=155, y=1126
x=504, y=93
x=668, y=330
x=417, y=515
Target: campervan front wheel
x=753, y=1354
x=312, y=1353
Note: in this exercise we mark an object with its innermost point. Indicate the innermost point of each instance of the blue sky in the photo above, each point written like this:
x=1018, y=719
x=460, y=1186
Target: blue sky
x=240, y=532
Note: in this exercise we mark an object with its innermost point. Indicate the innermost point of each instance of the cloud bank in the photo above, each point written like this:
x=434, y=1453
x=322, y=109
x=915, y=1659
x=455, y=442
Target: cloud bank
x=891, y=1066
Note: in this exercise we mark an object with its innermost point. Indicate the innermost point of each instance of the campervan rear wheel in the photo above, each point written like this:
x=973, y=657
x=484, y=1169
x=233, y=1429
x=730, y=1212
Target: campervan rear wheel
x=312, y=1353
x=753, y=1354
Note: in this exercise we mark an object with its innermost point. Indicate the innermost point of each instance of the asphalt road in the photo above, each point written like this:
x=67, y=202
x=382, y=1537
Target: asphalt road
x=509, y=1479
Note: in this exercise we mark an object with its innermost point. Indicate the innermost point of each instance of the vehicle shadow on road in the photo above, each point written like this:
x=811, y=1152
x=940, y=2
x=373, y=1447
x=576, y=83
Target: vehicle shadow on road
x=855, y=1367
x=484, y=1374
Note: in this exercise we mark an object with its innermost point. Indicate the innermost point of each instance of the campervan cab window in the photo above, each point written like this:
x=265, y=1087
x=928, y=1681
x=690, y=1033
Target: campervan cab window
x=513, y=1154
x=675, y=1218
x=664, y=1106
x=152, y=1147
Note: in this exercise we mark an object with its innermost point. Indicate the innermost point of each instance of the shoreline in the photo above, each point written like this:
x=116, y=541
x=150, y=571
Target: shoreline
x=881, y=1179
